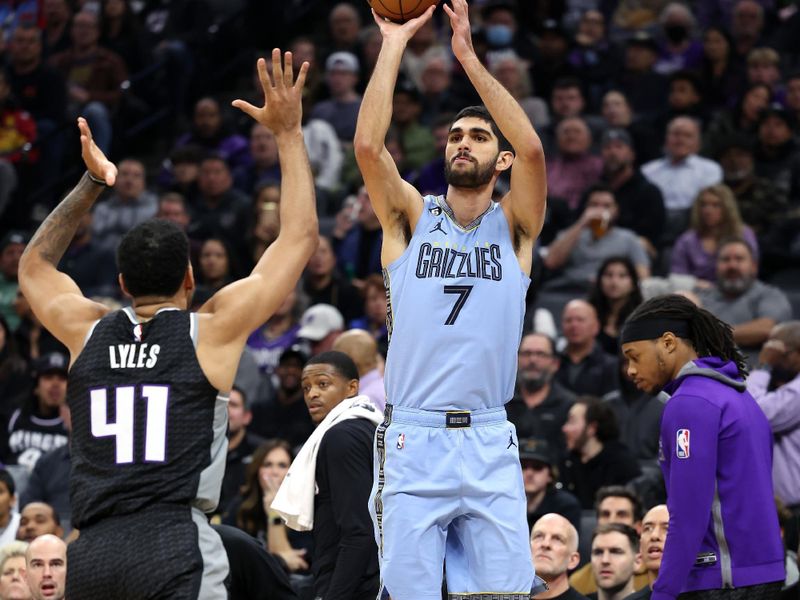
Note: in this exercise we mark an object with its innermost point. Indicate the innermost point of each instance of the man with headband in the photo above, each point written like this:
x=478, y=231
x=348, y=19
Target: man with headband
x=716, y=455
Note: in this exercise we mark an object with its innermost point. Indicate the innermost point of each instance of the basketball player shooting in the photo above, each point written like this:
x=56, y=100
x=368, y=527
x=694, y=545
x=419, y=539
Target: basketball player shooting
x=448, y=483
x=148, y=384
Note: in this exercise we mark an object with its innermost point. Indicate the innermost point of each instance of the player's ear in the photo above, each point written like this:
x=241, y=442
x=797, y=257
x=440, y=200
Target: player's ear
x=504, y=160
x=352, y=388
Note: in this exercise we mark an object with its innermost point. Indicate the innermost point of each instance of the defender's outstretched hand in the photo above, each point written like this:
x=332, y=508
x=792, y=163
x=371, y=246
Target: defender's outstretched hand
x=96, y=162
x=282, y=111
x=462, y=35
x=404, y=31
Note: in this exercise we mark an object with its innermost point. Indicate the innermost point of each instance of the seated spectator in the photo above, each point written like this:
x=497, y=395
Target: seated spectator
x=324, y=150
x=775, y=385
x=439, y=98
x=253, y=515
x=49, y=480
x=375, y=311
x=92, y=266
x=279, y=333
x=19, y=129
x=212, y=132
x=320, y=325
x=764, y=66
x=46, y=567
x=681, y=174
x=761, y=204
x=324, y=284
x=263, y=166
x=793, y=96
x=714, y=218
x=574, y=169
x=596, y=458
x=613, y=504
x=554, y=548
x=37, y=426
x=638, y=416
x=13, y=584
x=594, y=58
x=540, y=476
x=746, y=22
x=360, y=346
x=32, y=338
x=267, y=223
x=567, y=100
x=644, y=88
x=328, y=487
x=38, y=518
x=720, y=69
x=120, y=32
x=341, y=110
x=9, y=517
x=641, y=206
x=357, y=237
x=415, y=139
x=130, y=203
x=751, y=307
x=285, y=415
x=742, y=120
x=585, y=368
x=615, y=558
x=241, y=445
x=540, y=404
x=777, y=153
x=12, y=245
x=679, y=48
x=94, y=76
x=655, y=526
x=56, y=33
x=512, y=72
x=180, y=171
x=216, y=265
x=614, y=296
x=580, y=250
x=431, y=176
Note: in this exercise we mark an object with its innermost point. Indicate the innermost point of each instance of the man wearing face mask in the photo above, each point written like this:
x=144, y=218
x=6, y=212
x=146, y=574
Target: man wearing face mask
x=750, y=306
x=779, y=369
x=501, y=27
x=540, y=406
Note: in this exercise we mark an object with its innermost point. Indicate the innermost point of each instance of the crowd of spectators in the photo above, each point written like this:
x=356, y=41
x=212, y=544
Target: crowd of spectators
x=672, y=138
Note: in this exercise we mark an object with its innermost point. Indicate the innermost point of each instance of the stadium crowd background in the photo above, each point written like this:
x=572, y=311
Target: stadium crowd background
x=671, y=133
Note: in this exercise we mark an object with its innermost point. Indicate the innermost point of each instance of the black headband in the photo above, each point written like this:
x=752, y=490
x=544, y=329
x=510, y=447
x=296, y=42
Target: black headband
x=652, y=329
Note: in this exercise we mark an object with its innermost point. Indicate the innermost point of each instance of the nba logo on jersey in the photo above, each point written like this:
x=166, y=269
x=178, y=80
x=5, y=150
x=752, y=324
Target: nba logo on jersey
x=401, y=441
x=137, y=332
x=682, y=443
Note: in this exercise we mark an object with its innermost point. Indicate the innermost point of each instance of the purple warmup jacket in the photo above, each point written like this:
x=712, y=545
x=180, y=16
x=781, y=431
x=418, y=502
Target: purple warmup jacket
x=716, y=455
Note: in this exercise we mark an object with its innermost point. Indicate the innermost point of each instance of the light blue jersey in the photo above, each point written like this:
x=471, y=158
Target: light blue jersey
x=456, y=307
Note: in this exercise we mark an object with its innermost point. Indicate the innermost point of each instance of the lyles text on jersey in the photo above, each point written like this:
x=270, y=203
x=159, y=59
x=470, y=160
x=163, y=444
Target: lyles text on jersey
x=133, y=356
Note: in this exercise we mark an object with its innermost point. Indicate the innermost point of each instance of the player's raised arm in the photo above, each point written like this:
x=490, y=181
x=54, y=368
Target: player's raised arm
x=526, y=201
x=54, y=297
x=387, y=191
x=241, y=307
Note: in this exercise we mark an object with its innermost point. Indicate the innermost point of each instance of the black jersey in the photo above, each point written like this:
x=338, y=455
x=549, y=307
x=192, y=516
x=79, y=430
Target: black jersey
x=147, y=426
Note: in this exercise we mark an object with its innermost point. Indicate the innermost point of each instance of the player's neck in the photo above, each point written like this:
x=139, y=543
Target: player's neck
x=684, y=354
x=468, y=204
x=147, y=307
x=556, y=587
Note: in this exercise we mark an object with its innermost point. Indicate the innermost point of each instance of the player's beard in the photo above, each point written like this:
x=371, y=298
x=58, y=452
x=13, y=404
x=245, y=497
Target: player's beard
x=473, y=178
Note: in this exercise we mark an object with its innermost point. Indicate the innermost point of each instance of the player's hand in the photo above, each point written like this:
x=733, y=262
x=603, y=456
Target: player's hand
x=283, y=109
x=294, y=559
x=402, y=31
x=462, y=34
x=771, y=352
x=96, y=162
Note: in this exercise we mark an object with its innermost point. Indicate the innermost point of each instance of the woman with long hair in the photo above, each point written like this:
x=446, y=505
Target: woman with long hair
x=375, y=309
x=714, y=218
x=263, y=477
x=742, y=120
x=614, y=296
x=216, y=264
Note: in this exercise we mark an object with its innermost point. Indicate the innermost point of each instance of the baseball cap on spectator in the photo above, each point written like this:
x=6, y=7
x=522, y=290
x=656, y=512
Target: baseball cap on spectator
x=644, y=39
x=617, y=134
x=342, y=61
x=13, y=237
x=776, y=110
x=52, y=362
x=320, y=320
x=536, y=449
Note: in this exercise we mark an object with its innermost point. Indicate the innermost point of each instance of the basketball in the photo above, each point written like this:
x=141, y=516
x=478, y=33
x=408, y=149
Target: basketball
x=400, y=11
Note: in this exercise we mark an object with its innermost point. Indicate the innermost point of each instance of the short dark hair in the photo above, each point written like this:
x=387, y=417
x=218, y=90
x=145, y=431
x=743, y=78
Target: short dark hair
x=565, y=83
x=482, y=113
x=5, y=477
x=598, y=188
x=340, y=362
x=626, y=530
x=152, y=258
x=735, y=240
x=549, y=339
x=620, y=491
x=243, y=394
x=600, y=413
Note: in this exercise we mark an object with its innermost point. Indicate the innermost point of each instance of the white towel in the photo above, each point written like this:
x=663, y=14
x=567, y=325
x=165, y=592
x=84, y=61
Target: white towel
x=295, y=498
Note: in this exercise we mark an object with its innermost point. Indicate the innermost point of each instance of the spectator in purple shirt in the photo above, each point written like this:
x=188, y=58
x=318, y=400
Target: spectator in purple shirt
x=716, y=455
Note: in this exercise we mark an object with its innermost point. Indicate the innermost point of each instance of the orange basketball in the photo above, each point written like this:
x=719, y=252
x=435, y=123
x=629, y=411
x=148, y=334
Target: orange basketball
x=400, y=11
